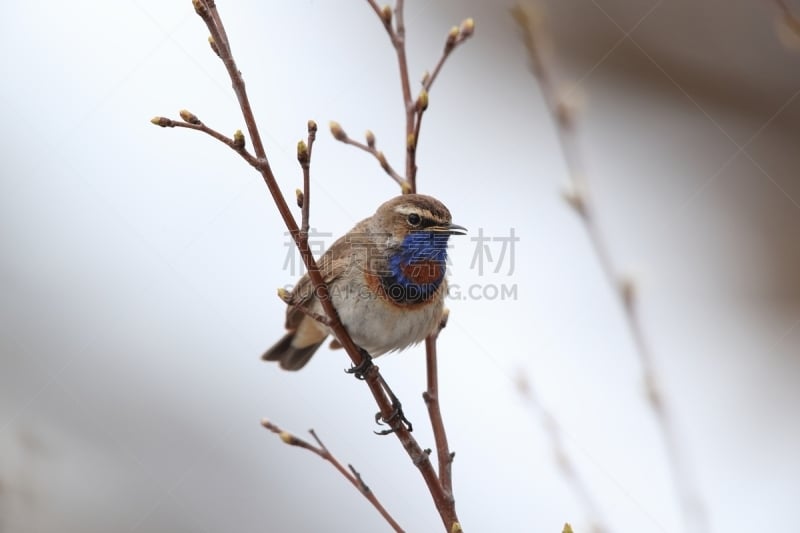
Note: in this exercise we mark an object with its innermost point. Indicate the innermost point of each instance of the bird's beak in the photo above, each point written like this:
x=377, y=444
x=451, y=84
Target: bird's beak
x=452, y=229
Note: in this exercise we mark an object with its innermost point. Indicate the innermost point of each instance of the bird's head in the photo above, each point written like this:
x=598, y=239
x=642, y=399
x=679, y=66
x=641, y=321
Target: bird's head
x=415, y=220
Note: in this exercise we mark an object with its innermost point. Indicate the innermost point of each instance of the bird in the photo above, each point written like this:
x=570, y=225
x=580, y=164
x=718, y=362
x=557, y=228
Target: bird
x=386, y=278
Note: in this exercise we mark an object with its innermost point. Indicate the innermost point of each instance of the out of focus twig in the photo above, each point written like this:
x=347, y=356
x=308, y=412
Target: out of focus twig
x=567, y=468
x=578, y=197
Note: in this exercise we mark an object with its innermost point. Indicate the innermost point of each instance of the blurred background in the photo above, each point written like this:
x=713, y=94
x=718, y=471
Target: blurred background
x=138, y=266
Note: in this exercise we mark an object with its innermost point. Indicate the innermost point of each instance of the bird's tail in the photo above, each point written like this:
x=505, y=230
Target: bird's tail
x=290, y=356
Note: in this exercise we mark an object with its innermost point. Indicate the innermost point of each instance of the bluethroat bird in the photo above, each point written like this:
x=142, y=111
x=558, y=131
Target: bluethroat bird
x=386, y=279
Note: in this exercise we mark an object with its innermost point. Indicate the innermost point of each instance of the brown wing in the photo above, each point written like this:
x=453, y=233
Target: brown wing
x=333, y=263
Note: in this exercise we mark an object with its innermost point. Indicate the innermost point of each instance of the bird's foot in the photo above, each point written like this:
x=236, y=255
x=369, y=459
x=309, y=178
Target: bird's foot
x=360, y=370
x=396, y=416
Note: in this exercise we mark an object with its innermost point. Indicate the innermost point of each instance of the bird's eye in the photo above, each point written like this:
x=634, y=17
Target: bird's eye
x=414, y=219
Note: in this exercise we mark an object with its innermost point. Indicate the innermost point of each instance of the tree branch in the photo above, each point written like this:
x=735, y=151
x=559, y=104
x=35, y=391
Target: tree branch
x=431, y=396
x=349, y=473
x=413, y=107
x=340, y=135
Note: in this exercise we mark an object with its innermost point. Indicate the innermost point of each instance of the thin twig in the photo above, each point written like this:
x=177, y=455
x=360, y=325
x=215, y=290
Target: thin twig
x=304, y=158
x=431, y=397
x=236, y=143
x=340, y=135
x=413, y=107
x=351, y=475
x=207, y=10
x=567, y=468
x=580, y=200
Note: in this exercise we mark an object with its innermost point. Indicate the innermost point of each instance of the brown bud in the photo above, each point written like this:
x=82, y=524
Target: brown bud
x=164, y=122
x=370, y=138
x=287, y=437
x=302, y=152
x=284, y=295
x=422, y=100
x=312, y=126
x=238, y=139
x=337, y=131
x=386, y=14
x=452, y=35
x=189, y=117
x=300, y=198
x=411, y=141
x=213, y=45
x=426, y=78
x=467, y=28
x=200, y=8
x=405, y=187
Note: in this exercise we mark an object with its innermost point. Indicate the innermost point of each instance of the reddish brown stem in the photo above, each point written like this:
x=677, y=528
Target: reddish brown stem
x=349, y=473
x=431, y=396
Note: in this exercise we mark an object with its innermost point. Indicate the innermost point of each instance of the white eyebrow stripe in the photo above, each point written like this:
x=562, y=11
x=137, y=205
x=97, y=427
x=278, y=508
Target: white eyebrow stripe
x=407, y=210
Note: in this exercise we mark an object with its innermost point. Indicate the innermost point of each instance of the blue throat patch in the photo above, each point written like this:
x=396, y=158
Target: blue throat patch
x=421, y=256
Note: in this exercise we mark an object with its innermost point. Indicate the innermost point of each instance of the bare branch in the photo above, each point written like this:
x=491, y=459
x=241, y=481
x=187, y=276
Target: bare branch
x=351, y=475
x=236, y=143
x=340, y=135
x=431, y=397
x=413, y=109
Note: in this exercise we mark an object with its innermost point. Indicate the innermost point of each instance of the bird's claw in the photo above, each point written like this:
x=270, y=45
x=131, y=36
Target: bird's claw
x=360, y=370
x=397, y=414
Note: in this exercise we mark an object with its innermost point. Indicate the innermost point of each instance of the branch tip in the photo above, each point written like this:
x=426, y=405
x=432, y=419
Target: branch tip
x=164, y=122
x=200, y=8
x=467, y=28
x=188, y=116
x=284, y=295
x=312, y=126
x=452, y=36
x=337, y=131
x=567, y=528
x=370, y=137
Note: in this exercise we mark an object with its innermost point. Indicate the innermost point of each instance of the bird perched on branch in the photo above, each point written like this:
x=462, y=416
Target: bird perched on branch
x=385, y=277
